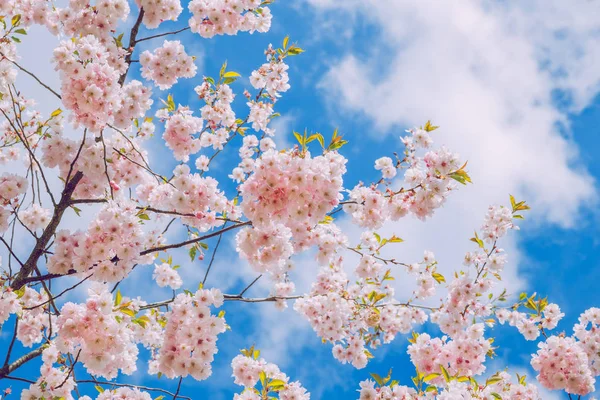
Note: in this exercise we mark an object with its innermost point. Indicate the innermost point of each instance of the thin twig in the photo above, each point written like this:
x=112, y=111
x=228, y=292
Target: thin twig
x=195, y=240
x=162, y=34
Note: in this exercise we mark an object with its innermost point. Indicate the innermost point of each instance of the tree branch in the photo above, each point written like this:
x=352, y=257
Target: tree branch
x=195, y=240
x=7, y=369
x=42, y=242
x=132, y=36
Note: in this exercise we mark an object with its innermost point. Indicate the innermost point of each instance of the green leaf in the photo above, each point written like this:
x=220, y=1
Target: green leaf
x=231, y=74
x=438, y=277
x=118, y=298
x=377, y=237
x=276, y=385
x=429, y=377
x=144, y=216
x=263, y=378
x=21, y=31
x=493, y=379
x=193, y=252
x=377, y=378
x=20, y=292
x=223, y=68
x=99, y=388
x=477, y=240
x=299, y=138
x=395, y=239
x=127, y=311
x=15, y=20
x=445, y=373
x=56, y=112
x=293, y=51
x=285, y=42
x=522, y=296
x=429, y=127
x=461, y=176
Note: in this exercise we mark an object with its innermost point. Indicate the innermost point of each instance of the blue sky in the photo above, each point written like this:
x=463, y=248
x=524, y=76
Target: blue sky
x=515, y=92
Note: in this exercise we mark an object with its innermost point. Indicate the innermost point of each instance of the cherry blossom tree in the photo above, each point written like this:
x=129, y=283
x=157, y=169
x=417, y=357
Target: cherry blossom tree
x=90, y=157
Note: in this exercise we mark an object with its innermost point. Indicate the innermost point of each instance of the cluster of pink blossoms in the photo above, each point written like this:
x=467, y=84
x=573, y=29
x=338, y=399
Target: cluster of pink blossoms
x=587, y=331
x=247, y=370
x=180, y=128
x=109, y=249
x=158, y=11
x=468, y=296
x=35, y=217
x=197, y=198
x=285, y=197
x=99, y=335
x=190, y=338
x=571, y=363
x=529, y=325
x=562, y=364
x=463, y=355
x=125, y=169
x=8, y=72
x=11, y=187
x=428, y=179
x=352, y=316
x=165, y=275
x=134, y=102
x=498, y=386
x=89, y=72
x=9, y=303
x=32, y=319
x=272, y=77
x=53, y=383
x=368, y=391
x=216, y=17
x=82, y=18
x=123, y=393
x=217, y=112
x=31, y=12
x=167, y=64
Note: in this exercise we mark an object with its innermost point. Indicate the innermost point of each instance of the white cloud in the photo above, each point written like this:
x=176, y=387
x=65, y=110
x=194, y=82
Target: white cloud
x=482, y=72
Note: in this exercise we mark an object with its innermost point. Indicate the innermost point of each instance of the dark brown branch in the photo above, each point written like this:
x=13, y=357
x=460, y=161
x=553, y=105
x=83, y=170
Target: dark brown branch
x=43, y=240
x=20, y=361
x=132, y=41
